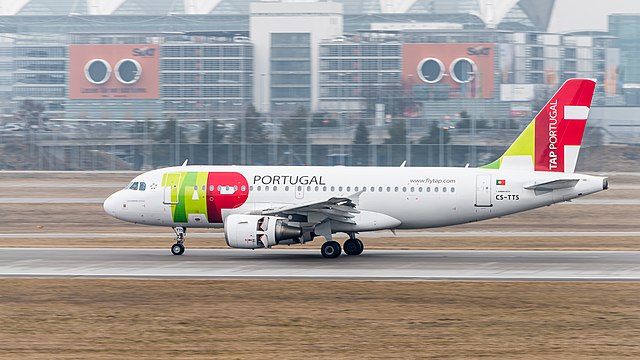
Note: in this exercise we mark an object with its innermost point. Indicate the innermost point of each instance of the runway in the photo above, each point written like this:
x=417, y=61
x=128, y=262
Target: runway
x=366, y=235
x=308, y=264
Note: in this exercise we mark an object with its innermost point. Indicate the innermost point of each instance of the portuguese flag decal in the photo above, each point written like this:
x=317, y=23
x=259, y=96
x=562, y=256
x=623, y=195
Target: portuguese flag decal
x=501, y=182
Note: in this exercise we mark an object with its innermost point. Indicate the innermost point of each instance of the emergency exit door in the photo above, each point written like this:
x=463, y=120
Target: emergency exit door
x=171, y=189
x=483, y=191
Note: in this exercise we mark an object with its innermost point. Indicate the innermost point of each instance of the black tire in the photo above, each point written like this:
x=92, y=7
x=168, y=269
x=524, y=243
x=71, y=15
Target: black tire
x=353, y=247
x=330, y=249
x=177, y=249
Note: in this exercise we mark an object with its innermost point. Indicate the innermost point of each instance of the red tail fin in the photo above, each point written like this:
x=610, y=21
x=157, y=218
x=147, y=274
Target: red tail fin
x=551, y=141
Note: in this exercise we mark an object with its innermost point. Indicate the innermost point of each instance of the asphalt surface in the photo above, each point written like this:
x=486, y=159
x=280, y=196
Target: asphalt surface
x=218, y=234
x=308, y=264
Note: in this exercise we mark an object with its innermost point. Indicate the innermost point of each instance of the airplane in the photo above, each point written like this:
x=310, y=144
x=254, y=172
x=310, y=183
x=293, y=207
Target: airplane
x=265, y=206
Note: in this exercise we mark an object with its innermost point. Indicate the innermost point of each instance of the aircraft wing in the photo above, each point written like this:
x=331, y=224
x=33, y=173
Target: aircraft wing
x=553, y=184
x=335, y=208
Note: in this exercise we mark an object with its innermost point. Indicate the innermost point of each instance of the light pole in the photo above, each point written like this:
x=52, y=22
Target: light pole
x=308, y=142
x=441, y=145
x=441, y=142
x=342, y=115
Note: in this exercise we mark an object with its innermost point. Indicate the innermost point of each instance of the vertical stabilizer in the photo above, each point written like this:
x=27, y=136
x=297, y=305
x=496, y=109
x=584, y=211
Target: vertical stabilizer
x=551, y=141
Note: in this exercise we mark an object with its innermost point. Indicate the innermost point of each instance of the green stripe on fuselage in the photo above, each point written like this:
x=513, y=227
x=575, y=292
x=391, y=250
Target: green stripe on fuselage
x=190, y=183
x=197, y=185
x=180, y=210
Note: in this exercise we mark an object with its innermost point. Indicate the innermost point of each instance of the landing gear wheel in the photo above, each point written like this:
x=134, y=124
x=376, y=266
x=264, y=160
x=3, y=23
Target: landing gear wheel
x=177, y=249
x=353, y=247
x=330, y=249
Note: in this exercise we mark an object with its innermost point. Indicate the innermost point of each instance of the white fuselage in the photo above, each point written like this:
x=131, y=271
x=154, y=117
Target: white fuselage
x=402, y=197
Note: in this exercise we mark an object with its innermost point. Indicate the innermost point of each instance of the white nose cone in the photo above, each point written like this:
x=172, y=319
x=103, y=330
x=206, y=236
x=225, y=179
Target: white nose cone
x=110, y=205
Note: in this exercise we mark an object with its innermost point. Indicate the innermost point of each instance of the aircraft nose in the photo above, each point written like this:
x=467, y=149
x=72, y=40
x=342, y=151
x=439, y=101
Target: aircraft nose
x=110, y=204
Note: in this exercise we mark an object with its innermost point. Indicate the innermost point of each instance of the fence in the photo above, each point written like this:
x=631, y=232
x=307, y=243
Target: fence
x=149, y=156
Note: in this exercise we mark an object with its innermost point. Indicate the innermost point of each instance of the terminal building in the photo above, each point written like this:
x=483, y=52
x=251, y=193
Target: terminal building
x=356, y=58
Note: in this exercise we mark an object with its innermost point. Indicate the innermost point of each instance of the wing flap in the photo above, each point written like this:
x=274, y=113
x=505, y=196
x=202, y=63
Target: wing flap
x=336, y=208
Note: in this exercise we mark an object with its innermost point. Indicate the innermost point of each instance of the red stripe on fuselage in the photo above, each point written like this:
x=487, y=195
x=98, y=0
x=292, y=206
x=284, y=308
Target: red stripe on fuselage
x=225, y=190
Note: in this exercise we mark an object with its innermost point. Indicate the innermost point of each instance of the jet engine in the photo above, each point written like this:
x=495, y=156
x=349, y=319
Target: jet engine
x=257, y=231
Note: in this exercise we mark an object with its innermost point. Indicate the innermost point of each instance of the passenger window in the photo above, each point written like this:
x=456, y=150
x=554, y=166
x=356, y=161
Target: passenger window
x=388, y=188
x=453, y=189
x=308, y=188
x=420, y=189
x=210, y=187
x=356, y=189
x=266, y=188
x=251, y=188
x=428, y=188
x=413, y=189
x=299, y=188
x=444, y=189
x=396, y=189
x=348, y=188
x=134, y=186
x=435, y=189
x=286, y=188
x=143, y=186
x=275, y=188
x=259, y=188
x=333, y=188
x=195, y=188
x=404, y=189
x=243, y=188
x=235, y=188
x=219, y=188
x=204, y=187
x=340, y=188
x=380, y=189
x=317, y=188
x=324, y=188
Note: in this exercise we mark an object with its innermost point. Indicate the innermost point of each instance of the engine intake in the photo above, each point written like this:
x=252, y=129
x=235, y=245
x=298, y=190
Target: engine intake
x=257, y=231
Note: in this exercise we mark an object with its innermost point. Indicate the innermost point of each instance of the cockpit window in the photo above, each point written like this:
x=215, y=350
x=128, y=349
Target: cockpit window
x=143, y=186
x=134, y=186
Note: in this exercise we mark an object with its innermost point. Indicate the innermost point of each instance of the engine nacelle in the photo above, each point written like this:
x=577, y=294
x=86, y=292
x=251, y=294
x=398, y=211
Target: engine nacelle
x=257, y=231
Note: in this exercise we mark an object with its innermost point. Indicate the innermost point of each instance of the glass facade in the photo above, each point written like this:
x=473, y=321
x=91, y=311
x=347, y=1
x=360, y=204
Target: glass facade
x=626, y=29
x=290, y=71
x=205, y=80
x=40, y=73
x=201, y=77
x=355, y=73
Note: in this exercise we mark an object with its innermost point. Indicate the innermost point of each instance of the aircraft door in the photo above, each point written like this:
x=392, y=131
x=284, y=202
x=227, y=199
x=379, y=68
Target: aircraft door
x=299, y=192
x=171, y=182
x=483, y=191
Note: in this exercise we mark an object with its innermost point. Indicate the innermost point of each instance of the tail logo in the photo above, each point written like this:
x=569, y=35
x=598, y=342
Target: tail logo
x=553, y=135
x=551, y=141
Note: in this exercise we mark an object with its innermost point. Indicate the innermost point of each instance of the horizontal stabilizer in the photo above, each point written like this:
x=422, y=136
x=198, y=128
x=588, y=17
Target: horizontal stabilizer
x=553, y=184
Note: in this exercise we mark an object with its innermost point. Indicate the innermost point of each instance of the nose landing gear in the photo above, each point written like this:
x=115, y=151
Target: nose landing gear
x=178, y=247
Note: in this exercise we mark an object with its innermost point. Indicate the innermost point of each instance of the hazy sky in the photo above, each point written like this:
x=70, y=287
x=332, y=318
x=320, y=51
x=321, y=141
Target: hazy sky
x=578, y=15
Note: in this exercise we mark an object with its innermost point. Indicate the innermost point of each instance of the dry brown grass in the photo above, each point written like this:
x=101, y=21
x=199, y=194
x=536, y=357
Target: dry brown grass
x=98, y=319
x=179, y=319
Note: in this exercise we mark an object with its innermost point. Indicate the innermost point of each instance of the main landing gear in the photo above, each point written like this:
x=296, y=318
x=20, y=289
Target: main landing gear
x=331, y=249
x=178, y=247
